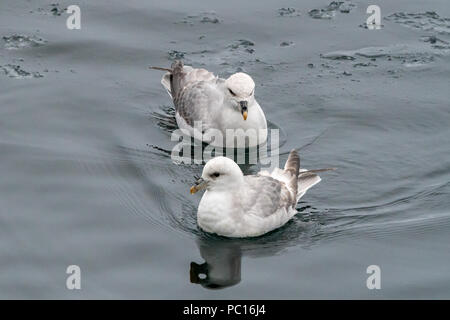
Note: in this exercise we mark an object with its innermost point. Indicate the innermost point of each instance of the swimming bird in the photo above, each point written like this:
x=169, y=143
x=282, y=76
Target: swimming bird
x=206, y=106
x=240, y=206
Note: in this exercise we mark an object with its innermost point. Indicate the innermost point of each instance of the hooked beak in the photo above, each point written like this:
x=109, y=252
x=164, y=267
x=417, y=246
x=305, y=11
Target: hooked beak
x=200, y=184
x=244, y=109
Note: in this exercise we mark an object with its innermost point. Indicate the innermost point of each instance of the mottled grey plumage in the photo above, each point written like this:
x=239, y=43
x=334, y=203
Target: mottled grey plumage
x=235, y=205
x=192, y=96
x=193, y=103
x=217, y=104
x=263, y=195
x=266, y=196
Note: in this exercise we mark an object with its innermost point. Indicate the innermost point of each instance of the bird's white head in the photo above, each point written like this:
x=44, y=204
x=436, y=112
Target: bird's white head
x=219, y=173
x=241, y=90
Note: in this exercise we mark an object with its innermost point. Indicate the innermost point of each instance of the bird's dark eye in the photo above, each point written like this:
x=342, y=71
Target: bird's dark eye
x=215, y=174
x=231, y=92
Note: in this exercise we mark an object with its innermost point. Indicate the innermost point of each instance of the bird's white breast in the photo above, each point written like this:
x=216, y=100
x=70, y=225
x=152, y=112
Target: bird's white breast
x=215, y=213
x=255, y=125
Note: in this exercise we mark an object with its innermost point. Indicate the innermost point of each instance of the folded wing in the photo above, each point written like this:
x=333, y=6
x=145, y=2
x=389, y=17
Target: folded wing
x=194, y=93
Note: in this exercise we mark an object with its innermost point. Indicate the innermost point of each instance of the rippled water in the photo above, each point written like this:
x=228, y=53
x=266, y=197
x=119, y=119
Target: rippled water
x=86, y=177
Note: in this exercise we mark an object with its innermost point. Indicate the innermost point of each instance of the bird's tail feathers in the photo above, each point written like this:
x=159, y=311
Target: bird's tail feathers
x=174, y=77
x=308, y=179
x=293, y=166
x=160, y=69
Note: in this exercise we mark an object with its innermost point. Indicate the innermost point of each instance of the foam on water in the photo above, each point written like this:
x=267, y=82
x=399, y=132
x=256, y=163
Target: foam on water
x=425, y=21
x=18, y=41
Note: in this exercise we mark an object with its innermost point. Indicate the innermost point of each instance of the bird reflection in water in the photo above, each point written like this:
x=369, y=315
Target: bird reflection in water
x=223, y=256
x=222, y=266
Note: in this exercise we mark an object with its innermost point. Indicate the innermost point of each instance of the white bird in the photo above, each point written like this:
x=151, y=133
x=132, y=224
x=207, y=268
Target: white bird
x=240, y=206
x=218, y=104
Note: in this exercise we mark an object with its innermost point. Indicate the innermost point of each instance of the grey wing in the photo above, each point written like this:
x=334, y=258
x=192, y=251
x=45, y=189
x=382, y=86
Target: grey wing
x=187, y=75
x=198, y=102
x=266, y=196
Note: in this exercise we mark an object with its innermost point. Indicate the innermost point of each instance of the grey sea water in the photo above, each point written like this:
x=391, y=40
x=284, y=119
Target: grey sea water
x=85, y=178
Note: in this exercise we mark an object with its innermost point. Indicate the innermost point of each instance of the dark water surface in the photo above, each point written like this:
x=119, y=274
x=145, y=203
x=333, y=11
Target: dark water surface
x=84, y=178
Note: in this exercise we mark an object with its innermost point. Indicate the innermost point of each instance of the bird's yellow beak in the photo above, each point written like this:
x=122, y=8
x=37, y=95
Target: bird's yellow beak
x=200, y=184
x=244, y=109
